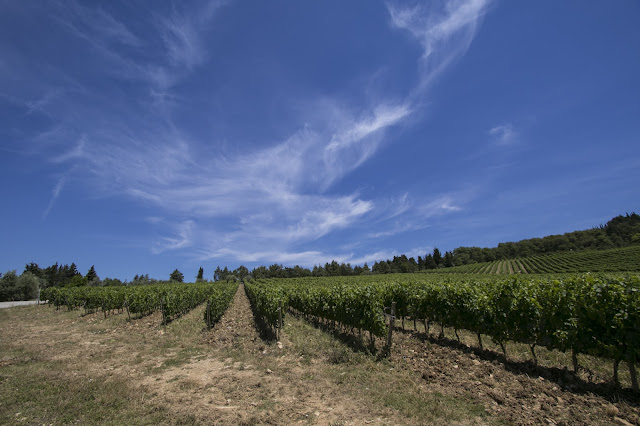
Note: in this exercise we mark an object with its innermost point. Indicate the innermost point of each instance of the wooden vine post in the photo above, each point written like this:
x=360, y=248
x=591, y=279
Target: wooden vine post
x=208, y=315
x=632, y=372
x=279, y=318
x=126, y=305
x=392, y=319
x=164, y=317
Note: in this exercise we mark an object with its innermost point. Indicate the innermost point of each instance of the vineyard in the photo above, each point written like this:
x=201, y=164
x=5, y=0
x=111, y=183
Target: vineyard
x=625, y=259
x=588, y=314
x=516, y=329
x=598, y=315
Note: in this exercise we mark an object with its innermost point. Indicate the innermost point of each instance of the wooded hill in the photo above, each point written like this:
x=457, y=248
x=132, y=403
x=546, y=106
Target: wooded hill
x=621, y=231
x=624, y=259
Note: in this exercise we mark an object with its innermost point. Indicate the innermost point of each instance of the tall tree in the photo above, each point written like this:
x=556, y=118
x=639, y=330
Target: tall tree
x=176, y=276
x=448, y=259
x=437, y=257
x=34, y=269
x=241, y=272
x=91, y=274
x=200, y=276
x=429, y=263
x=52, y=275
x=72, y=271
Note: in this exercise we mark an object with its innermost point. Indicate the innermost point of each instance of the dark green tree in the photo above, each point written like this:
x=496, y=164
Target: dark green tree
x=241, y=272
x=429, y=263
x=200, y=276
x=448, y=259
x=34, y=269
x=28, y=286
x=9, y=290
x=176, y=276
x=112, y=282
x=437, y=257
x=76, y=281
x=72, y=271
x=92, y=275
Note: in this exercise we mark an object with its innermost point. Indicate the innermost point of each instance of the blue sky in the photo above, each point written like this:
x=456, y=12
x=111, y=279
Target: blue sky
x=141, y=137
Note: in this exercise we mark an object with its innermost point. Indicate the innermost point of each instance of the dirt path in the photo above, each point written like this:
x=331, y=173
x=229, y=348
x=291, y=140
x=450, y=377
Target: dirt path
x=241, y=379
x=237, y=328
x=17, y=303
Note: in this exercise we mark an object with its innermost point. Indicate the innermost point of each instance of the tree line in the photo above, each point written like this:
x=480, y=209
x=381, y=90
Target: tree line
x=621, y=231
x=332, y=269
x=27, y=285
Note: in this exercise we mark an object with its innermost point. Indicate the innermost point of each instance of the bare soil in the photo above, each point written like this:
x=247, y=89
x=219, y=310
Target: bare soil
x=518, y=392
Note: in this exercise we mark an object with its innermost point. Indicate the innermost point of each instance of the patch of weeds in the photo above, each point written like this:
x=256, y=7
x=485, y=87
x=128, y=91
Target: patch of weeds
x=189, y=419
x=250, y=421
x=185, y=356
x=187, y=385
x=44, y=392
x=267, y=405
x=174, y=379
x=343, y=355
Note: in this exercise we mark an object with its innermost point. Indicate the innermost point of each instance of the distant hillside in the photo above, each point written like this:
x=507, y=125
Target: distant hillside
x=626, y=259
x=621, y=231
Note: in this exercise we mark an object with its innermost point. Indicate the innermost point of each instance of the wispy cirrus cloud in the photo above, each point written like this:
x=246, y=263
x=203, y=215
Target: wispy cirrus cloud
x=267, y=204
x=443, y=29
x=503, y=134
x=95, y=25
x=179, y=32
x=182, y=239
x=359, y=140
x=55, y=193
x=39, y=105
x=76, y=152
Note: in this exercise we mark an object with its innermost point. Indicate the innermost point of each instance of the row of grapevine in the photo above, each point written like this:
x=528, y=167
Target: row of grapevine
x=590, y=314
x=171, y=299
x=353, y=306
x=268, y=301
x=91, y=298
x=218, y=302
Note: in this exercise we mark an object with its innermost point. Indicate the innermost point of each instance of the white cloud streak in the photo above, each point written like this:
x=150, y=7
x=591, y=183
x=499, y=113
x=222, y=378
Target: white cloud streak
x=444, y=30
x=74, y=153
x=182, y=239
x=180, y=33
x=55, y=193
x=355, y=144
x=503, y=134
x=265, y=205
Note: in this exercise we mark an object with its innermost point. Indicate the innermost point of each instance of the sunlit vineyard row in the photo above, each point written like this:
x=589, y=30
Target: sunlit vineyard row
x=587, y=314
x=172, y=300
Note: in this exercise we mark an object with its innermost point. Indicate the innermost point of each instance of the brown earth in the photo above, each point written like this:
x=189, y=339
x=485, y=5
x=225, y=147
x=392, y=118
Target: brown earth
x=516, y=391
